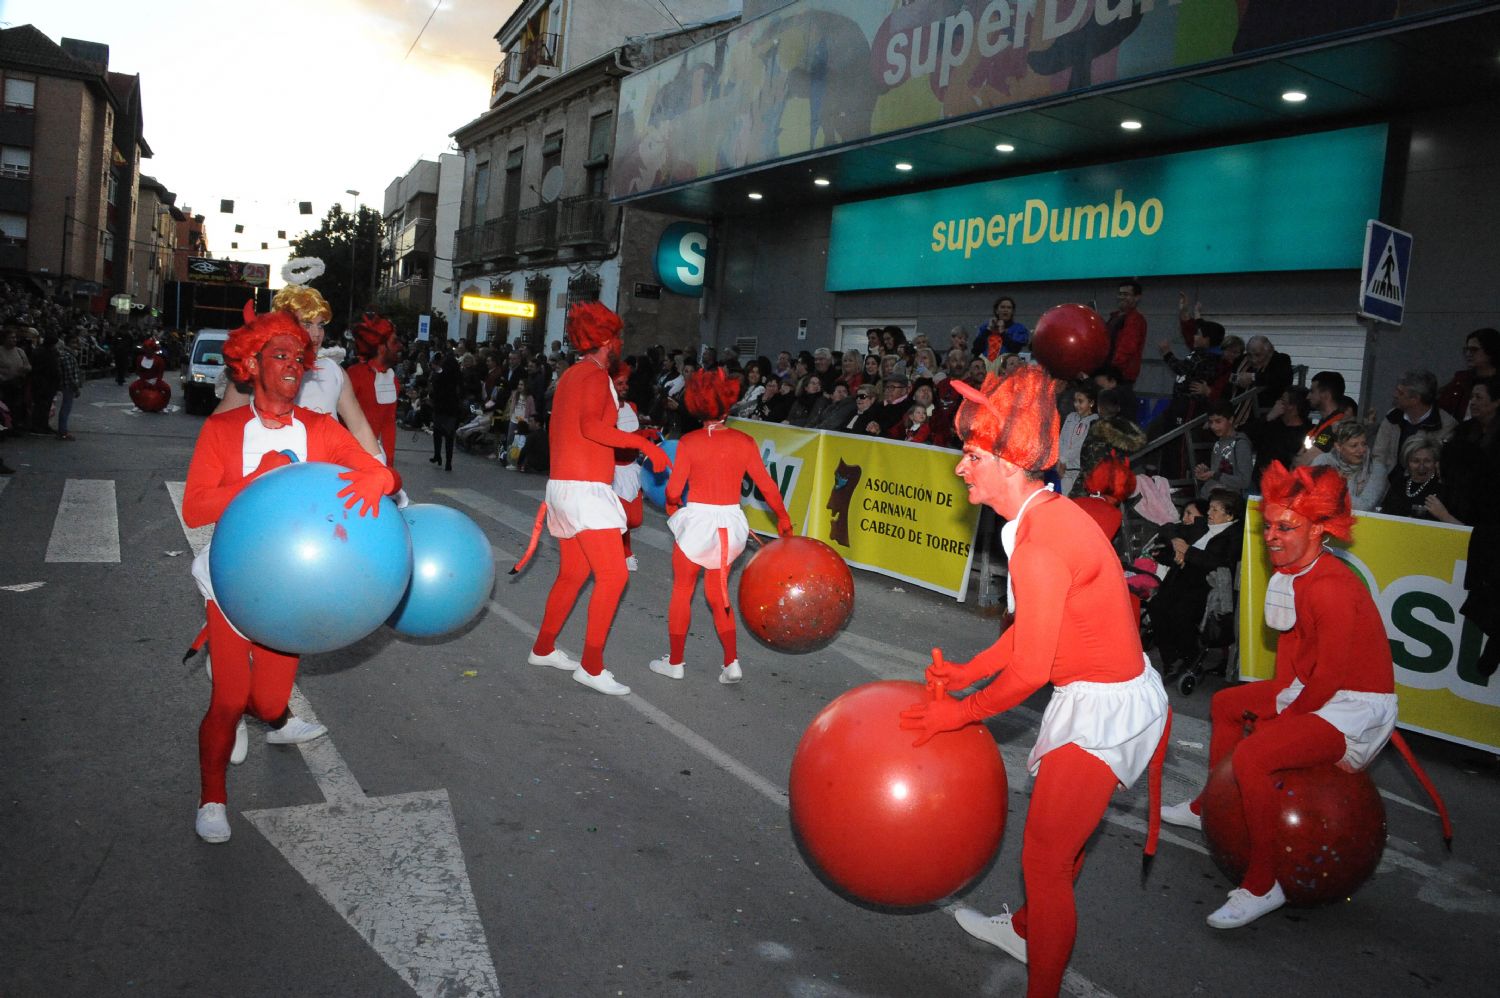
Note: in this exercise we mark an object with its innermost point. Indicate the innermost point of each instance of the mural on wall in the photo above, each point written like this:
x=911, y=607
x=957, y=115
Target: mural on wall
x=822, y=73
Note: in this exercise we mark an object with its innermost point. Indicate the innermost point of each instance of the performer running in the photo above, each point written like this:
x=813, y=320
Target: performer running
x=1108, y=717
x=235, y=447
x=710, y=530
x=627, y=480
x=374, y=379
x=1333, y=697
x=581, y=509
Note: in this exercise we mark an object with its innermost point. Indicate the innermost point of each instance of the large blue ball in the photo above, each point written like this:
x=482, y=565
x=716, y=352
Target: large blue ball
x=654, y=484
x=296, y=571
x=452, y=572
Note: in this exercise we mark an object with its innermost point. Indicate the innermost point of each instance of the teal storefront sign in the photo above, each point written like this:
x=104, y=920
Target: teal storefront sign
x=682, y=258
x=1286, y=204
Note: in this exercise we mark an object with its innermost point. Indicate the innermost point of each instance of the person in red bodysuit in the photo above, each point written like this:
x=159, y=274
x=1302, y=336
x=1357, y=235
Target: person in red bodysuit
x=1332, y=699
x=710, y=529
x=581, y=509
x=1074, y=627
x=234, y=448
x=374, y=381
x=627, y=480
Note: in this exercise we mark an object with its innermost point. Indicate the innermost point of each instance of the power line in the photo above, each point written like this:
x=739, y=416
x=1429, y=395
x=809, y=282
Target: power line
x=673, y=16
x=424, y=29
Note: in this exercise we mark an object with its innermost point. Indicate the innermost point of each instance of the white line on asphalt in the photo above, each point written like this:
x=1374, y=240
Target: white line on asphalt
x=3, y=483
x=197, y=537
x=87, y=528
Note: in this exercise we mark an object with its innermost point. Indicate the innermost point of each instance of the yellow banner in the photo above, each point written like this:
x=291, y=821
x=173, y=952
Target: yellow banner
x=885, y=505
x=1415, y=572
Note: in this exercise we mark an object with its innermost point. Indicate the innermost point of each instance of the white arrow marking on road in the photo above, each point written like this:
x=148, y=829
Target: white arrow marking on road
x=24, y=587
x=392, y=867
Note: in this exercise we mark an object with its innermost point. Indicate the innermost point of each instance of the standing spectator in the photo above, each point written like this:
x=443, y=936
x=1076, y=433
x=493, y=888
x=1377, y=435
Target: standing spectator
x=1324, y=398
x=1127, y=333
x=1470, y=462
x=1231, y=463
x=1075, y=430
x=46, y=378
x=1415, y=411
x=1001, y=333
x=1417, y=480
x=823, y=366
x=1232, y=363
x=15, y=368
x=1283, y=433
x=1352, y=457
x=122, y=347
x=1268, y=371
x=71, y=384
x=1481, y=354
x=445, y=392
x=1109, y=378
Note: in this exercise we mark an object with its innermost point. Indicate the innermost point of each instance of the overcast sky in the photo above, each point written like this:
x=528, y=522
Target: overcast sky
x=272, y=102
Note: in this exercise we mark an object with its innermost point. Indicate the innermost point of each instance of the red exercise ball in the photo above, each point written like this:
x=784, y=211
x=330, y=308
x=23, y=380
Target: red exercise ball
x=1329, y=831
x=1070, y=341
x=796, y=594
x=150, y=396
x=886, y=822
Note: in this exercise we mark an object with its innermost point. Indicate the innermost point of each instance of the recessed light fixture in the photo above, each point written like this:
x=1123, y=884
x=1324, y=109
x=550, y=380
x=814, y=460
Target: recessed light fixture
x=1005, y=147
x=755, y=195
x=1294, y=96
x=822, y=181
x=1130, y=125
x=903, y=167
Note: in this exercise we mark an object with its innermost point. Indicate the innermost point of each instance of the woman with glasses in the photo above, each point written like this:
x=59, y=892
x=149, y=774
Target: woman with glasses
x=1481, y=354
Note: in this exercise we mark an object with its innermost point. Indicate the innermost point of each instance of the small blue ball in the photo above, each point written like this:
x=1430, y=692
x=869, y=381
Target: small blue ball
x=654, y=484
x=453, y=571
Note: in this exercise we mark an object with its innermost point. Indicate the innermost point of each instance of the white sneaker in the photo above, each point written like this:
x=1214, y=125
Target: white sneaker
x=731, y=673
x=241, y=744
x=212, y=823
x=557, y=658
x=402, y=499
x=1181, y=815
x=663, y=667
x=295, y=732
x=993, y=929
x=1242, y=908
x=603, y=683
x=633, y=564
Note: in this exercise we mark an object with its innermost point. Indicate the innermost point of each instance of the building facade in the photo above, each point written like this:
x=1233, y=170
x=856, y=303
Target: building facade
x=155, y=243
x=410, y=237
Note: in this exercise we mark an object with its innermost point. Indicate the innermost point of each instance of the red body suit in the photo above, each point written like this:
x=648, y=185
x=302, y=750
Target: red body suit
x=380, y=415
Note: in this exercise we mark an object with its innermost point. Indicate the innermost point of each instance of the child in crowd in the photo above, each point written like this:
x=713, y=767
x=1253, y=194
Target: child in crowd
x=1075, y=430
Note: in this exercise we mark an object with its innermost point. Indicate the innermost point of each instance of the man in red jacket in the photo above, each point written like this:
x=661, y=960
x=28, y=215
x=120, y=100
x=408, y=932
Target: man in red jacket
x=1127, y=333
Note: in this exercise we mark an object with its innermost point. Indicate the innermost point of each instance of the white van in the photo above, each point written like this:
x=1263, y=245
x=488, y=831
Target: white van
x=203, y=383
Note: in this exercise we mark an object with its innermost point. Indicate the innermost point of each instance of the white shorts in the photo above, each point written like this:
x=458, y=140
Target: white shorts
x=627, y=481
x=573, y=507
x=1119, y=723
x=1366, y=721
x=696, y=528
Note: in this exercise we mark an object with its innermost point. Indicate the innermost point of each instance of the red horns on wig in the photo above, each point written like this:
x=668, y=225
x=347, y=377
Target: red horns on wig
x=248, y=340
x=709, y=394
x=1111, y=480
x=370, y=334
x=591, y=325
x=1014, y=417
x=1318, y=493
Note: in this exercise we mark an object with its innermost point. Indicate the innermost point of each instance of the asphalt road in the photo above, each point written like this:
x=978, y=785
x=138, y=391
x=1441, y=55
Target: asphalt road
x=476, y=825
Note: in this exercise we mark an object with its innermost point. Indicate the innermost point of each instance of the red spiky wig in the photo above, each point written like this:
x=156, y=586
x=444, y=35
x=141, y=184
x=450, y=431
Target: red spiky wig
x=1014, y=417
x=248, y=340
x=370, y=334
x=1320, y=494
x=591, y=325
x=709, y=394
x=1111, y=480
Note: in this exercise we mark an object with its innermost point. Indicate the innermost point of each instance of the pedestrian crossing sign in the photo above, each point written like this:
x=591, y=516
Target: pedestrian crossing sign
x=1382, y=286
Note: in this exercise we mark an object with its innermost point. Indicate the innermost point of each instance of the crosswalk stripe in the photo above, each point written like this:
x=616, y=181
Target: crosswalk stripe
x=87, y=528
x=197, y=537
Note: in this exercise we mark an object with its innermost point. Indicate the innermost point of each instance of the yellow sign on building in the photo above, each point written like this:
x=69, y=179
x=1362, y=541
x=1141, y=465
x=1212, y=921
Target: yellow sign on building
x=498, y=306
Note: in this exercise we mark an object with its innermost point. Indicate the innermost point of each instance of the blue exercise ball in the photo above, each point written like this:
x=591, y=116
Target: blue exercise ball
x=654, y=484
x=296, y=571
x=452, y=572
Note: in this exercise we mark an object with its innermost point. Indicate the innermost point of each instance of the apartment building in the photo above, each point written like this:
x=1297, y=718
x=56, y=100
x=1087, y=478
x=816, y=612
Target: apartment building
x=155, y=242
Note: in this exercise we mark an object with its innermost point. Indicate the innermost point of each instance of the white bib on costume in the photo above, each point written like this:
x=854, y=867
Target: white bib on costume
x=573, y=507
x=1008, y=542
x=627, y=476
x=1120, y=724
x=385, y=386
x=321, y=387
x=1281, y=598
x=1366, y=721
x=696, y=525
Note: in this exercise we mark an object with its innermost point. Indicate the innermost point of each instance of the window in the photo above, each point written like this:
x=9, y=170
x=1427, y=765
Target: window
x=113, y=187
x=15, y=161
x=12, y=228
x=481, y=192
x=513, y=180
x=601, y=134
x=20, y=95
x=551, y=152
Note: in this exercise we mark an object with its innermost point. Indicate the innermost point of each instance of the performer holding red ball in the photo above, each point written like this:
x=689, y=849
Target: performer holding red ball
x=1332, y=699
x=272, y=352
x=581, y=509
x=710, y=529
x=1074, y=627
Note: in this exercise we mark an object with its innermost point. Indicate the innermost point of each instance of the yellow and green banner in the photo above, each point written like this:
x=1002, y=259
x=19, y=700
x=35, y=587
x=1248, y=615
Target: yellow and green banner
x=887, y=506
x=1415, y=572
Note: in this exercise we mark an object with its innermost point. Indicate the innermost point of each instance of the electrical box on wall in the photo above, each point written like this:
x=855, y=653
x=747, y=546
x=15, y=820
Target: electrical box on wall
x=801, y=329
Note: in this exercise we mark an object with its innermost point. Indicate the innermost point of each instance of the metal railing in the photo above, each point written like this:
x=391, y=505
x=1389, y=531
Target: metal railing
x=536, y=229
x=540, y=52
x=582, y=220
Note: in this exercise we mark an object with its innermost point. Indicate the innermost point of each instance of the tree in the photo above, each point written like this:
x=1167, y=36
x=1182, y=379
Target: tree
x=347, y=244
x=404, y=316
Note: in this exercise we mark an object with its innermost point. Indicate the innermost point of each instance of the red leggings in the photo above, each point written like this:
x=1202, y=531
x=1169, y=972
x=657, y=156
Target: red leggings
x=635, y=515
x=237, y=687
x=680, y=613
x=1279, y=741
x=1068, y=801
x=590, y=552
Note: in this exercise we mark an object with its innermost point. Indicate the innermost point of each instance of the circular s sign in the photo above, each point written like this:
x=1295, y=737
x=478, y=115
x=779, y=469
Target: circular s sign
x=682, y=258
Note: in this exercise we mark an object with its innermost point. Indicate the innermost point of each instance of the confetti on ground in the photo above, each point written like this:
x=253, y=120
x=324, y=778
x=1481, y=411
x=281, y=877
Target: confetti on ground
x=24, y=587
x=470, y=673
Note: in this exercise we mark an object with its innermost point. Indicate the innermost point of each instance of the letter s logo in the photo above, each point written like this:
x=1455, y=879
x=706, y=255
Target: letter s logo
x=682, y=258
x=694, y=250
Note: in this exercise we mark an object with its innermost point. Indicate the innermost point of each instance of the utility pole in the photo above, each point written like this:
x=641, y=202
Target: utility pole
x=353, y=249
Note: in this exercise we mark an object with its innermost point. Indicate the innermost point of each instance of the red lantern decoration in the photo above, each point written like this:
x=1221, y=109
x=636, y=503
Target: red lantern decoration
x=884, y=821
x=1329, y=830
x=1070, y=341
x=796, y=594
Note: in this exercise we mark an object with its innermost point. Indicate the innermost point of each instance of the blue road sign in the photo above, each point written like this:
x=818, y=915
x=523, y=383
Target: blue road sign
x=1382, y=282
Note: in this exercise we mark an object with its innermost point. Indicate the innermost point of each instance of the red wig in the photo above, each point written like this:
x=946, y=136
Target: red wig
x=1318, y=493
x=248, y=340
x=370, y=334
x=1014, y=417
x=1111, y=480
x=709, y=394
x=591, y=325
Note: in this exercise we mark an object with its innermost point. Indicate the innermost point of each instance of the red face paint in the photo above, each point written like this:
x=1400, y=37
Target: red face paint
x=1292, y=541
x=277, y=374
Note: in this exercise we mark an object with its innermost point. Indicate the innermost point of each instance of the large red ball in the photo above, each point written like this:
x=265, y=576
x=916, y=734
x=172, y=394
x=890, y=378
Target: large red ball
x=796, y=594
x=1070, y=341
x=1329, y=830
x=889, y=823
x=150, y=396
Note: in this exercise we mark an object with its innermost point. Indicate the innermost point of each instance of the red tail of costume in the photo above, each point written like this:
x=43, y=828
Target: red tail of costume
x=197, y=645
x=1421, y=775
x=1153, y=796
x=724, y=564
x=536, y=535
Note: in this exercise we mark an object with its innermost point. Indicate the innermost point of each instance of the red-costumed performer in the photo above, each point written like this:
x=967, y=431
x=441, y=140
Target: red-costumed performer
x=1333, y=696
x=272, y=352
x=1074, y=627
x=710, y=530
x=627, y=480
x=581, y=508
x=1107, y=485
x=374, y=380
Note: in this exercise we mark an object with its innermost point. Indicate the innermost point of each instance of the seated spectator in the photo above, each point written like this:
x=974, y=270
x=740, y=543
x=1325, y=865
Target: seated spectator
x=1111, y=432
x=1325, y=396
x=1185, y=566
x=915, y=427
x=891, y=337
x=1075, y=429
x=851, y=369
x=1481, y=354
x=924, y=363
x=1417, y=482
x=755, y=387
x=1282, y=434
x=1415, y=411
x=1351, y=455
x=823, y=367
x=858, y=417
x=775, y=402
x=1231, y=462
x=1269, y=372
x=842, y=406
x=810, y=402
x=1232, y=362
x=896, y=392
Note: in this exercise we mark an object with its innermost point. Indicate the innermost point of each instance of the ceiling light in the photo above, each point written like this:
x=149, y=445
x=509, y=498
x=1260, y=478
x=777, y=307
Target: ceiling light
x=903, y=167
x=822, y=181
x=1130, y=125
x=1005, y=147
x=755, y=195
x=1294, y=96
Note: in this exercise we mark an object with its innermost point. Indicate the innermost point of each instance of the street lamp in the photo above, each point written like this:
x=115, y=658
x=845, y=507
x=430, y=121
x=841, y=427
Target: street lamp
x=353, y=246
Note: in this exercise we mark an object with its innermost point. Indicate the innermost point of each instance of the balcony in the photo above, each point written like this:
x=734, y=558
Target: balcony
x=528, y=61
x=413, y=291
x=536, y=230
x=415, y=237
x=584, y=221
x=15, y=194
x=492, y=240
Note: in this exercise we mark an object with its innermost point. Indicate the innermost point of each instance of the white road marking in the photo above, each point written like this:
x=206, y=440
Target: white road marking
x=197, y=537
x=87, y=527
x=23, y=587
